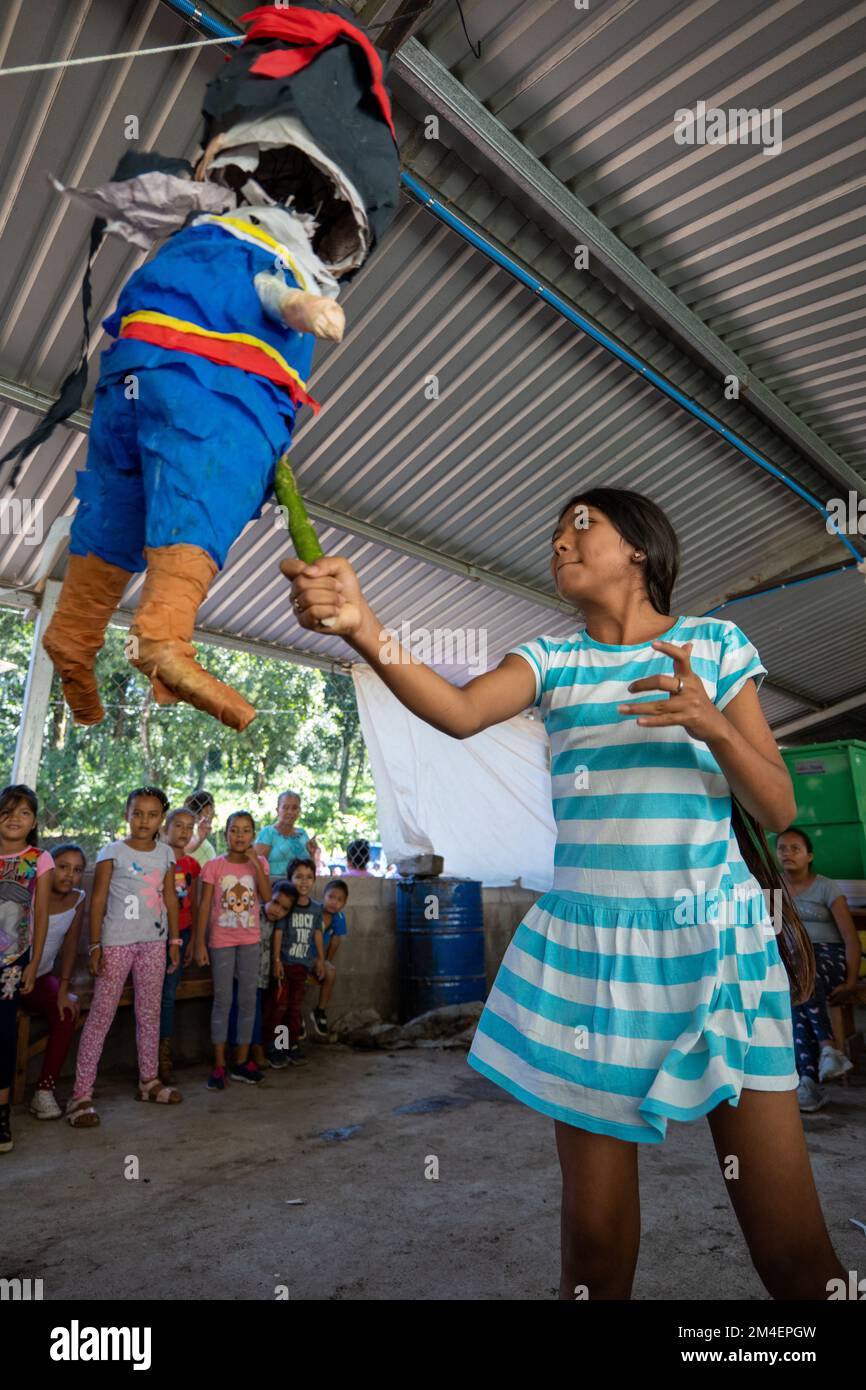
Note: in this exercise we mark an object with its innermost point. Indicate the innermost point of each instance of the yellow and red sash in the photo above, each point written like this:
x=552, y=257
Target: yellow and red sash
x=240, y=350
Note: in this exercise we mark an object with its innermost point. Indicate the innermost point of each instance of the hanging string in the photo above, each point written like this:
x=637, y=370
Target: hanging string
x=111, y=57
x=203, y=43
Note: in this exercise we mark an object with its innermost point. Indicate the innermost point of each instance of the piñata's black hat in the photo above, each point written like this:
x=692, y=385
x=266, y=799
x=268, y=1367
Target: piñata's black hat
x=317, y=65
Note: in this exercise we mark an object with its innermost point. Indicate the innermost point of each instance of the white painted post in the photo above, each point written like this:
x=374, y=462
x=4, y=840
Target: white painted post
x=37, y=692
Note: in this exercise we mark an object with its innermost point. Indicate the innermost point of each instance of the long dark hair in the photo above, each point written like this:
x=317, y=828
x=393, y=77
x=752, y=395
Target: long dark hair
x=9, y=798
x=642, y=523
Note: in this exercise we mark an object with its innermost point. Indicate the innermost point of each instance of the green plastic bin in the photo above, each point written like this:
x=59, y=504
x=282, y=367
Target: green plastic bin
x=830, y=786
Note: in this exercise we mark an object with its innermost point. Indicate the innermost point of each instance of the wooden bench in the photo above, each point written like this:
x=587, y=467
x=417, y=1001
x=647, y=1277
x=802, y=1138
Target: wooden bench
x=195, y=984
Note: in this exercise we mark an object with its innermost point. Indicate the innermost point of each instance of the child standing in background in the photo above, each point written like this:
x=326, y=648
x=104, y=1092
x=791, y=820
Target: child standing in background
x=179, y=829
x=201, y=803
x=133, y=895
x=297, y=949
x=234, y=885
x=334, y=899
x=25, y=884
x=50, y=998
x=282, y=900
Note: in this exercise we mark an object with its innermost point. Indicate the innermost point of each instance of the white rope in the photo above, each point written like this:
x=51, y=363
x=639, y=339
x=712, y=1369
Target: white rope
x=110, y=57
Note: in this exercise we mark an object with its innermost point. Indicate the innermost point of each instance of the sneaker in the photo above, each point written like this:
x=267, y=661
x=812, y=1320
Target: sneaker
x=246, y=1071
x=277, y=1060
x=5, y=1131
x=217, y=1079
x=296, y=1056
x=810, y=1095
x=320, y=1021
x=44, y=1106
x=833, y=1064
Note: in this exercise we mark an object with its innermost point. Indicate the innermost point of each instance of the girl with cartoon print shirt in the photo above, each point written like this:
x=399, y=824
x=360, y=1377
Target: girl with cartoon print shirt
x=233, y=887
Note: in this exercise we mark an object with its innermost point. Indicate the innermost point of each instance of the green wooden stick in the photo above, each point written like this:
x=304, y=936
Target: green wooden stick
x=301, y=529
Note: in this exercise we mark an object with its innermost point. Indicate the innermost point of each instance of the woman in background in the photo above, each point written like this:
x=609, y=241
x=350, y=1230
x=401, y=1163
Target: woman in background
x=285, y=841
x=828, y=922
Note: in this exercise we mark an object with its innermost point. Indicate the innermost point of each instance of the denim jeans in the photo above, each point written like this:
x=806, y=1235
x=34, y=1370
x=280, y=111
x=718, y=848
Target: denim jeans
x=169, y=989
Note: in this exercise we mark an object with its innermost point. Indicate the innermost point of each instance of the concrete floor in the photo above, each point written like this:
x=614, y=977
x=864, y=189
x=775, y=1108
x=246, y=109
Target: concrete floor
x=208, y=1217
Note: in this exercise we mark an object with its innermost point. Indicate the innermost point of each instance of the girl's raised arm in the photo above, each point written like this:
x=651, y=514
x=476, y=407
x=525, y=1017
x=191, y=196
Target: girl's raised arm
x=320, y=590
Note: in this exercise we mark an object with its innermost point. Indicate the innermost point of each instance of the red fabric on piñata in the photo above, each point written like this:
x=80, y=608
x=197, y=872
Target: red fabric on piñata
x=313, y=31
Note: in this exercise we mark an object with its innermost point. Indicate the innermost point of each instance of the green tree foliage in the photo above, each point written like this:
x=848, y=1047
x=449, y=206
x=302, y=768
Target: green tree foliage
x=306, y=738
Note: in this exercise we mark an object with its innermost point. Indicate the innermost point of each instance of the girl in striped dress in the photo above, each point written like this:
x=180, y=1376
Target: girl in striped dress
x=650, y=983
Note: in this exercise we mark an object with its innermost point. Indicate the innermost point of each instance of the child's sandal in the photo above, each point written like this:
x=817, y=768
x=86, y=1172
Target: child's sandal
x=158, y=1094
x=81, y=1115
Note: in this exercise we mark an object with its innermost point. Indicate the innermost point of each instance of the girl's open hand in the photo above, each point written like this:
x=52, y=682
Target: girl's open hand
x=326, y=596
x=174, y=957
x=94, y=962
x=201, y=955
x=28, y=978
x=688, y=703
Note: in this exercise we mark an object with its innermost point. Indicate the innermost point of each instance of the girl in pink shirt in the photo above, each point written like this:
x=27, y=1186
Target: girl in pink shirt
x=233, y=887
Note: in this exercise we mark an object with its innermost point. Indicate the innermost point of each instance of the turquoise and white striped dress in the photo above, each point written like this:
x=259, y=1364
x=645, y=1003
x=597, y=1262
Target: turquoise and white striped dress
x=647, y=985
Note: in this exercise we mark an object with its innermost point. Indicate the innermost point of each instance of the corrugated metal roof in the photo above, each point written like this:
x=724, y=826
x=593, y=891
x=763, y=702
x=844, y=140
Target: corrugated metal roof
x=528, y=409
x=767, y=249
x=825, y=661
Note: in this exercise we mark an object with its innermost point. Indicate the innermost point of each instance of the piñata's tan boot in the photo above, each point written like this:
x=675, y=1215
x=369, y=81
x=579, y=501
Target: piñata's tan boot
x=91, y=591
x=177, y=579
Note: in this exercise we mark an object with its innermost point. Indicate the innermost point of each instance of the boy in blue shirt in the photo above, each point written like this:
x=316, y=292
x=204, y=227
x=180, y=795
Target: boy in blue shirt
x=297, y=950
x=334, y=900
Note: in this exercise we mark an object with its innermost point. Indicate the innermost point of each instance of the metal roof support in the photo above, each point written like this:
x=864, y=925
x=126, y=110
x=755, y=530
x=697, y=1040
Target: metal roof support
x=448, y=97
x=403, y=18
x=805, y=721
x=37, y=692
x=484, y=244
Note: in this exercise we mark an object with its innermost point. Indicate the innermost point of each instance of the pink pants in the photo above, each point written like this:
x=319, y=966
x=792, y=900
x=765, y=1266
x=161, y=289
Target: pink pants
x=146, y=960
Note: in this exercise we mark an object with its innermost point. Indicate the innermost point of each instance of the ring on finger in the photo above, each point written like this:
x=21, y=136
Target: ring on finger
x=679, y=689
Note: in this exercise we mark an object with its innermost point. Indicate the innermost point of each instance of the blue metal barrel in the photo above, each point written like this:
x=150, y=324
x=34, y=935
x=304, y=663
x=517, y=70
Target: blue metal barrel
x=440, y=943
